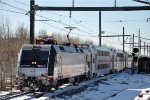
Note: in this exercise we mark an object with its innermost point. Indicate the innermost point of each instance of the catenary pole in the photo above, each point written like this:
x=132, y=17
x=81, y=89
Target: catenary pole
x=100, y=30
x=123, y=39
x=32, y=17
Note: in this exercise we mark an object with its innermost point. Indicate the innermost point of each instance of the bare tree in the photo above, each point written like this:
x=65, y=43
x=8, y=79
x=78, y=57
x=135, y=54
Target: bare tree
x=5, y=33
x=10, y=44
x=22, y=32
x=43, y=33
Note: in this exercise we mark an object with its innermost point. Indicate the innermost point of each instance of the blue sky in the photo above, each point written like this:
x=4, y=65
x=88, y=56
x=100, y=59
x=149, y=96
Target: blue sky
x=87, y=22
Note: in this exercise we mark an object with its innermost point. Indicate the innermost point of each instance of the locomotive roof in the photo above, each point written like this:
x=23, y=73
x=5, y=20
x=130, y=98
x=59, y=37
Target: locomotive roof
x=62, y=48
x=36, y=46
x=58, y=48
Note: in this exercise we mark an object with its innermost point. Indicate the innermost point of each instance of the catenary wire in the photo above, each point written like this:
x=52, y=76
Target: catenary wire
x=77, y=22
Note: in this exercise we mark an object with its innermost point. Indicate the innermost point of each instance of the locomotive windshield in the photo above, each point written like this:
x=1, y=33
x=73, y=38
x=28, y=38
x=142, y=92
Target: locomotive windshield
x=34, y=58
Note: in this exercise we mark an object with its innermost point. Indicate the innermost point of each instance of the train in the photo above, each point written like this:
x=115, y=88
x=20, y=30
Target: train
x=42, y=67
x=144, y=64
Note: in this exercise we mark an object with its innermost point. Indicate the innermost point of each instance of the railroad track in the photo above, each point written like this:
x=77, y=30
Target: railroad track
x=12, y=95
x=22, y=95
x=71, y=90
x=54, y=93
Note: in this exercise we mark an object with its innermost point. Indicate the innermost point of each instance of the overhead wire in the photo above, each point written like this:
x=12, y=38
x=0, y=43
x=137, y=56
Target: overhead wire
x=42, y=22
x=62, y=29
x=12, y=11
x=114, y=43
x=110, y=41
x=77, y=22
x=12, y=6
x=52, y=20
x=41, y=16
x=119, y=40
x=21, y=3
x=44, y=17
x=37, y=20
x=122, y=21
x=29, y=12
x=49, y=19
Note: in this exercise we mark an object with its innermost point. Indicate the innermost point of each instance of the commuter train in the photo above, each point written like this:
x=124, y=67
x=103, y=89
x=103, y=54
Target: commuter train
x=43, y=67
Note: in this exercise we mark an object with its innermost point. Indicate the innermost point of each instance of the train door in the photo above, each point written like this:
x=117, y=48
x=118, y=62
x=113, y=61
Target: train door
x=59, y=65
x=113, y=60
x=88, y=64
x=93, y=63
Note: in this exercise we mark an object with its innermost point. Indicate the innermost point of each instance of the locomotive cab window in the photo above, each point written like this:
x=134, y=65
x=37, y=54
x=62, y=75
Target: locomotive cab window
x=34, y=58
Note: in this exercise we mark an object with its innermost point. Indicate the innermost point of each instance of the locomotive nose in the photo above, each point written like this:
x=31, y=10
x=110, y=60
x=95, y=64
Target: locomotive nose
x=33, y=72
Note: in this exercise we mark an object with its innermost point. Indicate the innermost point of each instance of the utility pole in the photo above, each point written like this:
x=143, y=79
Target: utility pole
x=124, y=63
x=139, y=42
x=133, y=42
x=70, y=10
x=32, y=17
x=100, y=30
x=130, y=44
x=147, y=49
x=140, y=46
x=123, y=39
x=115, y=3
x=144, y=48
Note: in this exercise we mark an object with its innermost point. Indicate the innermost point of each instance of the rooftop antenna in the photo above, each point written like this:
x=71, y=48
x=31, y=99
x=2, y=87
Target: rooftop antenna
x=70, y=29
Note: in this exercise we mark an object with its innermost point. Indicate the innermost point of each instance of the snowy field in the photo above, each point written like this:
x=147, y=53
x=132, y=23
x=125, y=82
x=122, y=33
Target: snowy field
x=122, y=86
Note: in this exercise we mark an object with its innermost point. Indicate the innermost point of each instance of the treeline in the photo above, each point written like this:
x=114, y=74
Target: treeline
x=10, y=44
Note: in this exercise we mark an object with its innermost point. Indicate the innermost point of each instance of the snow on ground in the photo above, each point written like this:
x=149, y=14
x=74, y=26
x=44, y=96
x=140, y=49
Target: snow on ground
x=3, y=93
x=122, y=86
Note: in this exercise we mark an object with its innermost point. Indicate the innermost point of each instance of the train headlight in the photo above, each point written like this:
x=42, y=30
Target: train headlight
x=34, y=62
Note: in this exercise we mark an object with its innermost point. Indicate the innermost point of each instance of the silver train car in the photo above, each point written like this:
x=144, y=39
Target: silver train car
x=43, y=67
x=103, y=61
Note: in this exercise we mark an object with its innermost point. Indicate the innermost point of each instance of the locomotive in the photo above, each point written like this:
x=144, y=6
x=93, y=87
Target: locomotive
x=43, y=67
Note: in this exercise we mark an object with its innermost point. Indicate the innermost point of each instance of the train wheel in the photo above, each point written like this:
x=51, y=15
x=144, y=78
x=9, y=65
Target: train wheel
x=49, y=88
x=76, y=82
x=57, y=86
x=59, y=83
